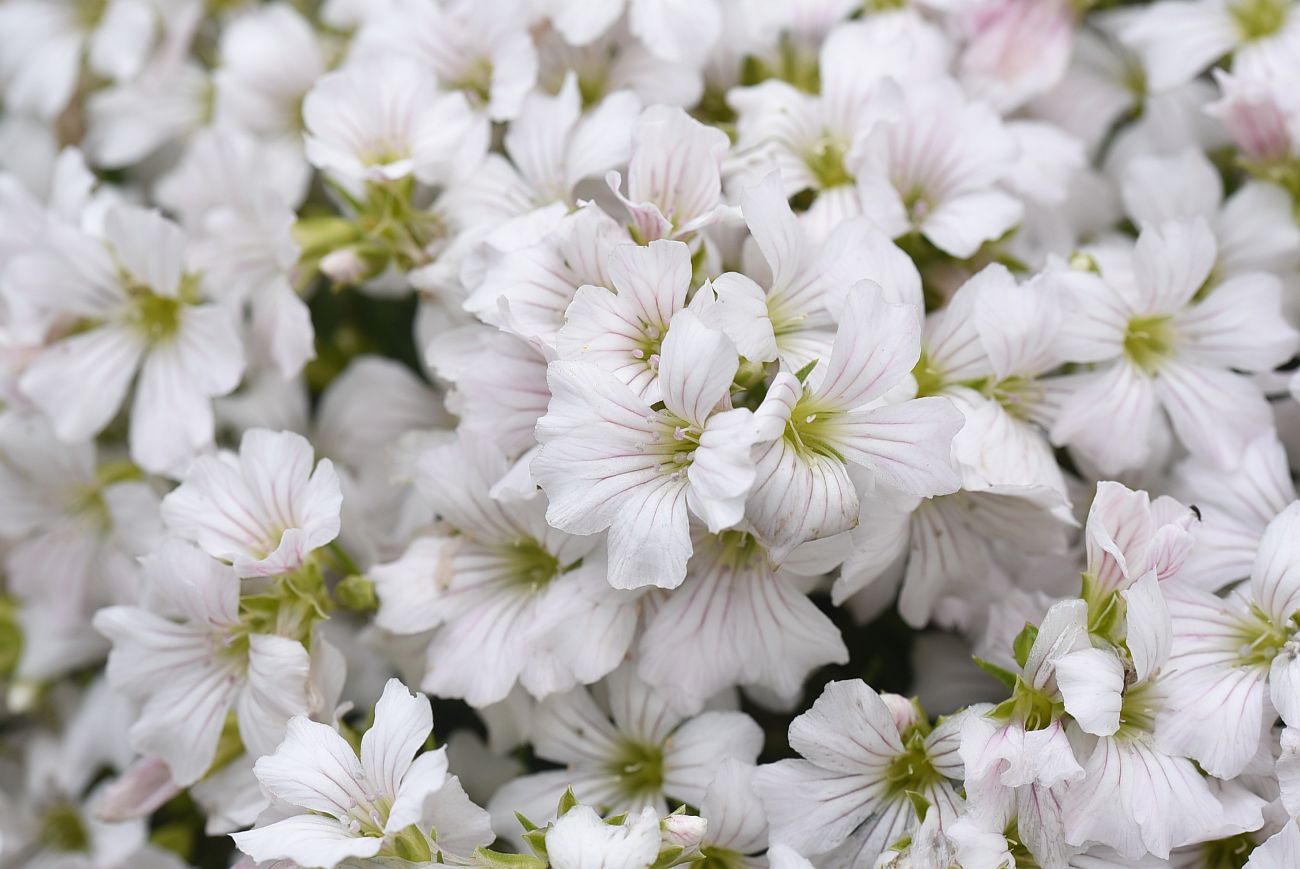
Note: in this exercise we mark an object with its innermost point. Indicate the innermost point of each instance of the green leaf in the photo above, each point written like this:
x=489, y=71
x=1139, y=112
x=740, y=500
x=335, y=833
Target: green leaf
x=1006, y=677
x=1024, y=642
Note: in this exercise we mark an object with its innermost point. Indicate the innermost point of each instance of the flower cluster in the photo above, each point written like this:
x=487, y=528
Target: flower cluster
x=807, y=434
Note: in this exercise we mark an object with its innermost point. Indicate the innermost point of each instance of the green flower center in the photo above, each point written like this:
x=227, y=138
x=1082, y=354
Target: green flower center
x=530, y=565
x=1138, y=710
x=1148, y=341
x=720, y=858
x=930, y=379
x=1261, y=639
x=156, y=317
x=826, y=162
x=1258, y=19
x=61, y=829
x=639, y=767
x=912, y=771
x=812, y=430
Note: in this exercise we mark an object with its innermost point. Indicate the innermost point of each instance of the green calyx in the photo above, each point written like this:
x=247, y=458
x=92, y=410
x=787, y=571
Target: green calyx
x=1032, y=707
x=1149, y=341
x=1259, y=19
x=639, y=767
x=61, y=829
x=1106, y=611
x=412, y=845
x=291, y=607
x=389, y=229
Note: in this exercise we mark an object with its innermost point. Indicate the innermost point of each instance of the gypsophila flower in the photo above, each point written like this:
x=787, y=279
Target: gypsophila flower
x=685, y=395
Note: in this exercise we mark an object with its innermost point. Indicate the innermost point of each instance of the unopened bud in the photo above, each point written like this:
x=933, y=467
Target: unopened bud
x=683, y=831
x=138, y=792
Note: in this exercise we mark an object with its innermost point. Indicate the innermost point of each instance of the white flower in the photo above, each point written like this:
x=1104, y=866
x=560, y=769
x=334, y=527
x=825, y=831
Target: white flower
x=265, y=510
x=1174, y=352
x=631, y=751
x=848, y=797
x=189, y=660
x=383, y=119
x=144, y=315
x=1235, y=661
x=738, y=619
x=810, y=431
x=242, y=238
x=1134, y=796
x=935, y=169
x=484, y=51
x=583, y=840
x=609, y=460
x=269, y=59
x=789, y=312
x=674, y=177
x=501, y=589
x=44, y=45
x=1177, y=41
x=622, y=328
x=1235, y=507
x=387, y=802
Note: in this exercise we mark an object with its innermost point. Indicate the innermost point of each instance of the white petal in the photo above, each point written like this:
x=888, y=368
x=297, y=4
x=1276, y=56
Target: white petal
x=1275, y=579
x=277, y=690
x=908, y=446
x=79, y=382
x=1092, y=685
x=1282, y=850
x=316, y=769
x=403, y=721
x=960, y=225
x=310, y=841
x=697, y=365
x=876, y=346
x=1150, y=630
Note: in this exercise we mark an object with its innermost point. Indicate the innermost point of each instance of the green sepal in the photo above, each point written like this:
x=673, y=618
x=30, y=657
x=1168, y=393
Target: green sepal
x=567, y=801
x=920, y=805
x=488, y=857
x=528, y=825
x=802, y=374
x=1006, y=677
x=535, y=839
x=1024, y=642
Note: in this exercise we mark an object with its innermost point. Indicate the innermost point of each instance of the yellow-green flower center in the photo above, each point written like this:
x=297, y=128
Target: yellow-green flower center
x=1149, y=341
x=1258, y=19
x=61, y=829
x=826, y=162
x=639, y=767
